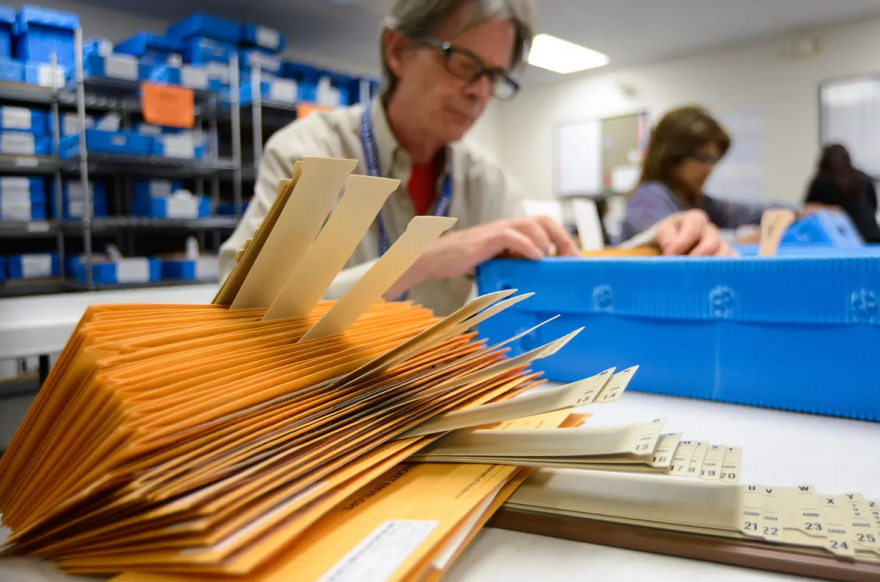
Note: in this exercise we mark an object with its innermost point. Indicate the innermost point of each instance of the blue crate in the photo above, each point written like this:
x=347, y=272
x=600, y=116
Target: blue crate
x=2, y=269
x=201, y=24
x=41, y=74
x=7, y=20
x=108, y=273
x=828, y=228
x=38, y=32
x=123, y=67
x=153, y=49
x=262, y=37
x=33, y=266
x=795, y=333
x=23, y=143
x=73, y=207
x=281, y=90
x=112, y=142
x=11, y=70
x=23, y=119
x=157, y=207
x=17, y=193
x=151, y=188
x=202, y=50
x=187, y=269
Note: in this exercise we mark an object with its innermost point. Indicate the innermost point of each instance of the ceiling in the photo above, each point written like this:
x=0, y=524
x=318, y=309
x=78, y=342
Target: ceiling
x=631, y=32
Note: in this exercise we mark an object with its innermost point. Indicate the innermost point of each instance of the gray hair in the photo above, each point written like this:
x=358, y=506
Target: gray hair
x=421, y=18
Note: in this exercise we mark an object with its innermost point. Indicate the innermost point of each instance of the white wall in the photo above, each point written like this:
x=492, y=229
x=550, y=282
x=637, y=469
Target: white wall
x=758, y=77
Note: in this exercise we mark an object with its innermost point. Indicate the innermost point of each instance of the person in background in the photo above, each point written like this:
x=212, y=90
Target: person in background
x=837, y=183
x=684, y=149
x=443, y=61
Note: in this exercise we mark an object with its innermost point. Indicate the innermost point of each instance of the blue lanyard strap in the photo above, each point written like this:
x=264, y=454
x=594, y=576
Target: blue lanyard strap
x=371, y=159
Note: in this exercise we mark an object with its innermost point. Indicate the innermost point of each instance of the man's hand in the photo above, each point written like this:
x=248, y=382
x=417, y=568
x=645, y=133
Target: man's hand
x=691, y=233
x=459, y=253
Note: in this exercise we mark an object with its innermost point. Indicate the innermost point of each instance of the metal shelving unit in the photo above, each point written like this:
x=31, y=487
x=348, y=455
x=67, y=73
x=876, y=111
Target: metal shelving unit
x=100, y=94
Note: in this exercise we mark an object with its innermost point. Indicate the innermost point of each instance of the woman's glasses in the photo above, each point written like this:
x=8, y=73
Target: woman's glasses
x=466, y=66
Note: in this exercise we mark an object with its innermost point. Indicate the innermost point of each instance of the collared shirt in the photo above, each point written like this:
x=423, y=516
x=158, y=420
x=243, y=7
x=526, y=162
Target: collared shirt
x=481, y=193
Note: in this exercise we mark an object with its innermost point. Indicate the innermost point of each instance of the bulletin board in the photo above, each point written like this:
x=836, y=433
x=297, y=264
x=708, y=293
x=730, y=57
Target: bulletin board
x=850, y=114
x=600, y=156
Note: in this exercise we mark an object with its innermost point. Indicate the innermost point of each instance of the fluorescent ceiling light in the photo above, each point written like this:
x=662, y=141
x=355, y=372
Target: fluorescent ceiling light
x=561, y=56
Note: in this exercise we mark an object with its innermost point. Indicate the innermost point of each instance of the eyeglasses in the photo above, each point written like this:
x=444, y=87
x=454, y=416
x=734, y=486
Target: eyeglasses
x=468, y=67
x=706, y=160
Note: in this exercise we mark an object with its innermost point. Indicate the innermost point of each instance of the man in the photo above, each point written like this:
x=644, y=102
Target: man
x=443, y=61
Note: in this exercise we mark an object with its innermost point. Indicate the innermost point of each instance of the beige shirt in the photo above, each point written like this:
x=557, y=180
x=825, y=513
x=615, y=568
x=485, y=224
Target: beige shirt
x=481, y=193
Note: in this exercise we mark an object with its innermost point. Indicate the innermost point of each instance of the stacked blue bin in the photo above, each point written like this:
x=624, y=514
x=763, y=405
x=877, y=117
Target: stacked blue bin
x=24, y=131
x=22, y=199
x=33, y=266
x=38, y=32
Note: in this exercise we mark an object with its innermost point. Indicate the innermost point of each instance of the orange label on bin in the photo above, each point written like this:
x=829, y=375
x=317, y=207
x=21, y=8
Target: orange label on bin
x=168, y=106
x=304, y=109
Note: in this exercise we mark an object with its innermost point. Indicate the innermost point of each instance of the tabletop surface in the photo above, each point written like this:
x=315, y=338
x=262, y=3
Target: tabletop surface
x=32, y=326
x=780, y=448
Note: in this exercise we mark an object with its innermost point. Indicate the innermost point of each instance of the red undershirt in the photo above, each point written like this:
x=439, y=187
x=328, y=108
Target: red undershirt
x=422, y=186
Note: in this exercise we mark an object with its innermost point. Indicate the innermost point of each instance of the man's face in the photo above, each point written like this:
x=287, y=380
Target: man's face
x=445, y=106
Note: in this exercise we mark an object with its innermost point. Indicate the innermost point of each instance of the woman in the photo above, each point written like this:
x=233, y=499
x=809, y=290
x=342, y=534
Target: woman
x=683, y=150
x=838, y=183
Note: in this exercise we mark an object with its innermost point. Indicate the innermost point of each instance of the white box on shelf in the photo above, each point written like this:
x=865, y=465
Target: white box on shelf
x=133, y=270
x=208, y=268
x=283, y=90
x=121, y=67
x=182, y=204
x=194, y=77
x=17, y=142
x=36, y=266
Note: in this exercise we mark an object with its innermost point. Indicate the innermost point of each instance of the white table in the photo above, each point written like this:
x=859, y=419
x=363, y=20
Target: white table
x=780, y=448
x=31, y=326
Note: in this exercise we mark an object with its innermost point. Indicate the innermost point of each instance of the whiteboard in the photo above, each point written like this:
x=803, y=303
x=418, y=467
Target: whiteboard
x=579, y=158
x=850, y=114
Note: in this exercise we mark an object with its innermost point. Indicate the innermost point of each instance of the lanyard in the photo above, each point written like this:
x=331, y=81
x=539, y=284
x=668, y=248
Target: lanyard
x=371, y=158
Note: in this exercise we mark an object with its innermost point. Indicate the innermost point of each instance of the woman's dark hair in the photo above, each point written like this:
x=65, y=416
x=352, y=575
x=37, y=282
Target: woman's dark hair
x=836, y=163
x=680, y=135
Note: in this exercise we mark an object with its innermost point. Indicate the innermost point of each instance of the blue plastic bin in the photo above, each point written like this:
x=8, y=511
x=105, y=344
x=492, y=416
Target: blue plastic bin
x=2, y=269
x=795, y=333
x=40, y=74
x=202, y=50
x=7, y=20
x=23, y=119
x=73, y=204
x=22, y=198
x=33, y=266
x=11, y=70
x=38, y=32
x=157, y=207
x=827, y=228
x=23, y=143
x=150, y=188
x=151, y=48
x=123, y=67
x=189, y=269
x=201, y=24
x=281, y=90
x=112, y=142
x=262, y=37
x=228, y=208
x=109, y=273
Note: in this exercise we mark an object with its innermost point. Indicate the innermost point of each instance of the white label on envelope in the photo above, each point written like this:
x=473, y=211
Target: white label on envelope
x=16, y=118
x=15, y=209
x=282, y=90
x=135, y=270
x=194, y=77
x=207, y=268
x=75, y=190
x=76, y=208
x=70, y=123
x=160, y=187
x=382, y=552
x=121, y=67
x=13, y=142
x=182, y=207
x=36, y=266
x=268, y=38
